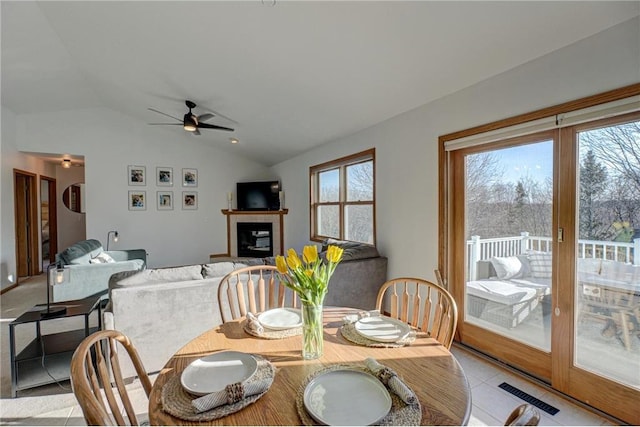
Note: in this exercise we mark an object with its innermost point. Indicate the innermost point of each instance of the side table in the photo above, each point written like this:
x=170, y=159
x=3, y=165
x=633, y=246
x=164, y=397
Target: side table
x=49, y=355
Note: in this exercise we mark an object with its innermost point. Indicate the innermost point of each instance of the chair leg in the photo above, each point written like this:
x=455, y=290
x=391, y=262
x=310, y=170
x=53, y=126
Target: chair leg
x=624, y=326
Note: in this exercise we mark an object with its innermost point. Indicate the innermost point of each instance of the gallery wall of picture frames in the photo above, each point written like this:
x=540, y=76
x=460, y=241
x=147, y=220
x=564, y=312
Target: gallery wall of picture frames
x=164, y=177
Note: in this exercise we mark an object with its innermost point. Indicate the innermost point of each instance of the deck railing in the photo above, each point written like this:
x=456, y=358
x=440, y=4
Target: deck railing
x=483, y=249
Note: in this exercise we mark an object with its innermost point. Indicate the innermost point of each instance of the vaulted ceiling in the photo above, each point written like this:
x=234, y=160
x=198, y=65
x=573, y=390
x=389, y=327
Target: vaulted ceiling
x=286, y=75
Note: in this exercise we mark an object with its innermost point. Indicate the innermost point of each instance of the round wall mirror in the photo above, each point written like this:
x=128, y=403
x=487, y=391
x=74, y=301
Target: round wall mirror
x=73, y=197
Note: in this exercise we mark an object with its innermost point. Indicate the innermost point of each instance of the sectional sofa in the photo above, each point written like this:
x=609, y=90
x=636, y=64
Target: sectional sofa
x=162, y=309
x=89, y=268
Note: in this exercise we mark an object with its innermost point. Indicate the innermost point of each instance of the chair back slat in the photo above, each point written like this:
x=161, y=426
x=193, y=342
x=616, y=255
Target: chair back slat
x=251, y=294
x=259, y=285
x=424, y=305
x=97, y=382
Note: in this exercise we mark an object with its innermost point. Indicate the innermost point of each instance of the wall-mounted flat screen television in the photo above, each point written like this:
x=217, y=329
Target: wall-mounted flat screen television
x=258, y=196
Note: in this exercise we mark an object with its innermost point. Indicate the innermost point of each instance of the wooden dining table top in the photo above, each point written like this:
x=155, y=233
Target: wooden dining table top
x=425, y=365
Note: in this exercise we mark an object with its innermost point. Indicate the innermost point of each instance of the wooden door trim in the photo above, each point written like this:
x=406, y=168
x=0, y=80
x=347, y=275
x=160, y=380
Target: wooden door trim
x=53, y=215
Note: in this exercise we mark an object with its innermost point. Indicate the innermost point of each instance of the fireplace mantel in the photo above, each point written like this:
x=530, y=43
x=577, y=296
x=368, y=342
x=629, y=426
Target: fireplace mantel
x=276, y=218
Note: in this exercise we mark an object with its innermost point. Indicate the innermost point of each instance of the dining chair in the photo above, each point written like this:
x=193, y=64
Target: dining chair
x=253, y=289
x=97, y=382
x=422, y=304
x=523, y=415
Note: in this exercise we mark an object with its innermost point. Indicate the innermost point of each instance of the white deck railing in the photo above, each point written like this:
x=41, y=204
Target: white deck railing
x=483, y=249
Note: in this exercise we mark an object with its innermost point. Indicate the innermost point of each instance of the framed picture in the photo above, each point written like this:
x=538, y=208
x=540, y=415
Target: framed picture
x=137, y=200
x=189, y=200
x=165, y=200
x=189, y=177
x=137, y=175
x=164, y=176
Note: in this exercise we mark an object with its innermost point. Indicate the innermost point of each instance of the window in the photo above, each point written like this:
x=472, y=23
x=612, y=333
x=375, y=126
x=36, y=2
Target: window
x=343, y=199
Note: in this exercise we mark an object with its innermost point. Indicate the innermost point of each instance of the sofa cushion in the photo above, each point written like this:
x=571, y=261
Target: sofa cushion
x=81, y=252
x=352, y=250
x=540, y=263
x=157, y=275
x=102, y=258
x=220, y=269
x=508, y=267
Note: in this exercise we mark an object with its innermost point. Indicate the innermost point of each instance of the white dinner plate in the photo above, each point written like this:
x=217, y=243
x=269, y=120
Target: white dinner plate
x=382, y=328
x=213, y=373
x=281, y=318
x=346, y=397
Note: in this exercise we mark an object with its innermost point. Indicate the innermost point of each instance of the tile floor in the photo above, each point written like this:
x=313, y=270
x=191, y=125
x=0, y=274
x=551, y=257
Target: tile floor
x=55, y=405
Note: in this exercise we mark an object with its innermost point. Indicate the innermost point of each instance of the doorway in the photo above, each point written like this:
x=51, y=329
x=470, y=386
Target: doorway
x=48, y=221
x=26, y=220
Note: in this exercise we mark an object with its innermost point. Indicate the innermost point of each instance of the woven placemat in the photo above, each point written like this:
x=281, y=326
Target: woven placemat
x=401, y=414
x=177, y=401
x=272, y=334
x=349, y=332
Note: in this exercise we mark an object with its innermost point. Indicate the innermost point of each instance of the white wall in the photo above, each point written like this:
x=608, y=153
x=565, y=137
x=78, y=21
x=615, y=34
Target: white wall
x=10, y=159
x=407, y=145
x=110, y=142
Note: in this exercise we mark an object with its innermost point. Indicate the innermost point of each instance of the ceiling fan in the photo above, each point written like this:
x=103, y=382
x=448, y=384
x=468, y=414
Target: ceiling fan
x=191, y=122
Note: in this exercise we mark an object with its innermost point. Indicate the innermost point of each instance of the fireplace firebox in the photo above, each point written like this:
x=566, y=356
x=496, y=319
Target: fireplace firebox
x=255, y=239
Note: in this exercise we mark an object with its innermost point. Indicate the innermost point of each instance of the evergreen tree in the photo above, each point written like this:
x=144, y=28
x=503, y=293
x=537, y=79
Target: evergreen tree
x=593, y=182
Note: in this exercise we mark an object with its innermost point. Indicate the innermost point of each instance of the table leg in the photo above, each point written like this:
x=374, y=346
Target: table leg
x=12, y=352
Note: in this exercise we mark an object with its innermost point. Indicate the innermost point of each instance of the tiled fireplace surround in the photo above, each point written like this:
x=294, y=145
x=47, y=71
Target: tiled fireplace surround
x=276, y=218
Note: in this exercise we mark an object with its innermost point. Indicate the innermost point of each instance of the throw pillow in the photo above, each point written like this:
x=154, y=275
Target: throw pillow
x=540, y=263
x=102, y=258
x=508, y=267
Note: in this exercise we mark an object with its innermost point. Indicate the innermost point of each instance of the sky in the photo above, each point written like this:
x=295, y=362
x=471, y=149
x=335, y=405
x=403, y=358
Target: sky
x=532, y=160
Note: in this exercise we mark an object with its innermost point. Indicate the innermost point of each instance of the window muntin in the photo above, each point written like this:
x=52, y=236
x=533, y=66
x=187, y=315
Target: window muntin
x=343, y=198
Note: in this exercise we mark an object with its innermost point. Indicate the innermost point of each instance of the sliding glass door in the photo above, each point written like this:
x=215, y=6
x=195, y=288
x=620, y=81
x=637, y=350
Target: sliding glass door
x=507, y=211
x=544, y=247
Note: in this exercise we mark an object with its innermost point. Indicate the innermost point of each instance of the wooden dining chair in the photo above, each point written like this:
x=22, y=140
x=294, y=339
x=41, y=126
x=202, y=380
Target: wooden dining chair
x=523, y=415
x=424, y=305
x=253, y=289
x=97, y=380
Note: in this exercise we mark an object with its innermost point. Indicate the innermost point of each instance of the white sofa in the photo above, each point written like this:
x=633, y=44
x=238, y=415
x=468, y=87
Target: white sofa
x=162, y=309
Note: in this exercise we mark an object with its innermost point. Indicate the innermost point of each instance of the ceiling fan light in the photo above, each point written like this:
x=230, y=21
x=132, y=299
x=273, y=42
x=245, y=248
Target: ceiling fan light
x=66, y=163
x=190, y=127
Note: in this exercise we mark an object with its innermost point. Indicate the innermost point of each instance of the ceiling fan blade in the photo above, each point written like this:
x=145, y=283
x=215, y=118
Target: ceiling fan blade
x=196, y=132
x=208, y=126
x=221, y=116
x=164, y=114
x=205, y=116
x=169, y=124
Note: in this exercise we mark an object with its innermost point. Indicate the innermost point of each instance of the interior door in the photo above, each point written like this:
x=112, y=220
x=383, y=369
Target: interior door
x=506, y=208
x=26, y=229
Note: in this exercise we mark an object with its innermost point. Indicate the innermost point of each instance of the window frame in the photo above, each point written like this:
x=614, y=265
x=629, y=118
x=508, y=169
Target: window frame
x=340, y=164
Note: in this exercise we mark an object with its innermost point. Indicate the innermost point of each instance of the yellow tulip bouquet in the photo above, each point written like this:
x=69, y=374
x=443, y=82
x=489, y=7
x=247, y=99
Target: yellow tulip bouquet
x=309, y=278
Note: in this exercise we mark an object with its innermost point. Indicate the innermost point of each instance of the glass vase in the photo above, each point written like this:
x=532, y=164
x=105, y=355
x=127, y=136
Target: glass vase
x=312, y=340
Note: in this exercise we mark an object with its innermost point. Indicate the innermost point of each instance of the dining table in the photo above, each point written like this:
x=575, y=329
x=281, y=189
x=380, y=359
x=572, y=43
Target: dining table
x=427, y=367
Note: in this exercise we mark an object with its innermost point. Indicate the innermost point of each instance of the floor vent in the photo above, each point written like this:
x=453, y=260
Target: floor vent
x=529, y=399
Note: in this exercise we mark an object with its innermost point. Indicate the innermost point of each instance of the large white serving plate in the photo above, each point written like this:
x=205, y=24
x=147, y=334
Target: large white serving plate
x=213, y=373
x=346, y=397
x=382, y=328
x=281, y=318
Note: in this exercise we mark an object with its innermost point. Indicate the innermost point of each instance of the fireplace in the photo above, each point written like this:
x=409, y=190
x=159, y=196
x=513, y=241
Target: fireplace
x=255, y=239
